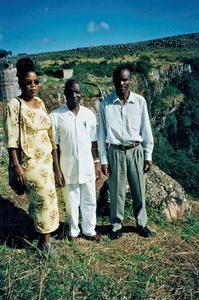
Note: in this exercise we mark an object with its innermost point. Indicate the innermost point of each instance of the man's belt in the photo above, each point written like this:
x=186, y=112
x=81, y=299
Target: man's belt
x=127, y=147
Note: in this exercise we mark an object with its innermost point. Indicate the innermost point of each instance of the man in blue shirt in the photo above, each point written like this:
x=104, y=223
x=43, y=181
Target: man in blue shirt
x=126, y=145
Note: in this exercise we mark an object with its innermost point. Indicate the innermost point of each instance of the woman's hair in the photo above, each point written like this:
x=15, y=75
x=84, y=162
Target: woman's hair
x=24, y=65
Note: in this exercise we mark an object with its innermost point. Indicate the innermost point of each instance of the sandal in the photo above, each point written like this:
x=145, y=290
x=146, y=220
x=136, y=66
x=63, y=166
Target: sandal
x=48, y=250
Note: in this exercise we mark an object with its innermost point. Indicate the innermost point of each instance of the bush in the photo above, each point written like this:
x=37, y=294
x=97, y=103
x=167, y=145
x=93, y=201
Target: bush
x=143, y=65
x=176, y=163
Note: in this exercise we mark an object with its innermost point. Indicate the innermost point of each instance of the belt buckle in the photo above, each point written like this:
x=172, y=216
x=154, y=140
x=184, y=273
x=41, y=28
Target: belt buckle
x=122, y=147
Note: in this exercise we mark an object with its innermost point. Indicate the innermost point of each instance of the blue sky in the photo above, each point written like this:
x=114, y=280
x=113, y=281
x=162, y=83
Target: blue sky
x=28, y=26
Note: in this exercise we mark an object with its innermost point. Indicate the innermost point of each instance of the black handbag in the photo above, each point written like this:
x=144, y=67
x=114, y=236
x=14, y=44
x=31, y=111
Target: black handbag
x=13, y=181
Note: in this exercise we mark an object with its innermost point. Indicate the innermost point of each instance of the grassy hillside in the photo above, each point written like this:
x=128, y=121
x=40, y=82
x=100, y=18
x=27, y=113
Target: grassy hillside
x=174, y=121
x=162, y=267
x=172, y=99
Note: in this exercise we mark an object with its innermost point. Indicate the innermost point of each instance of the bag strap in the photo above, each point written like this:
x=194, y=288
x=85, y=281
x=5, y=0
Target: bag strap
x=19, y=152
x=19, y=122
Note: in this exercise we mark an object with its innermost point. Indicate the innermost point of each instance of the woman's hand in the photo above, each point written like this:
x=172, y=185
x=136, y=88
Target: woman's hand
x=17, y=166
x=59, y=178
x=20, y=173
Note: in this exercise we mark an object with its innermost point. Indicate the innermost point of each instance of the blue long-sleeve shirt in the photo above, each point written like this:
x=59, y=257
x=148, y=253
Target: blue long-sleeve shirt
x=124, y=124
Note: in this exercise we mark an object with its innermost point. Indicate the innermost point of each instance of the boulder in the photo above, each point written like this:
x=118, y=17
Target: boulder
x=3, y=150
x=164, y=190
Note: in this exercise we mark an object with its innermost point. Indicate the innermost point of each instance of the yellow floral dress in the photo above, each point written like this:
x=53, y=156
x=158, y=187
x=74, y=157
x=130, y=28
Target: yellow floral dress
x=37, y=144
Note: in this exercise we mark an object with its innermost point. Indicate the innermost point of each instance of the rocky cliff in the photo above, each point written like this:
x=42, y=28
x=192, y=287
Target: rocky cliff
x=179, y=41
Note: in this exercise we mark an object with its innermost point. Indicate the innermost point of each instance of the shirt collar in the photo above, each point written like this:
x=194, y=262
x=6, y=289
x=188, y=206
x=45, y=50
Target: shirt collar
x=130, y=98
x=70, y=112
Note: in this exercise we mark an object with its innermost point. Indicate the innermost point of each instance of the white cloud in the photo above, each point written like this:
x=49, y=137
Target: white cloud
x=105, y=26
x=45, y=40
x=1, y=37
x=93, y=27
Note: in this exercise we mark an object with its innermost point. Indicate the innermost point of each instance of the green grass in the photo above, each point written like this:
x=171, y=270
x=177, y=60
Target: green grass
x=131, y=269
x=162, y=267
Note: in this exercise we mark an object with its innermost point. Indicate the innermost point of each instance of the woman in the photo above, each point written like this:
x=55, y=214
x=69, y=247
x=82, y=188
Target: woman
x=36, y=138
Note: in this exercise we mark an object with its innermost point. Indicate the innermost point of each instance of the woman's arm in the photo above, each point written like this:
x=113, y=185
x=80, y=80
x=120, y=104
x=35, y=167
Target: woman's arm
x=17, y=166
x=58, y=174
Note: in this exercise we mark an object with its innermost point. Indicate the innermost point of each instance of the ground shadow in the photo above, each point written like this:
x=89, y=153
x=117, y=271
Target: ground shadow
x=103, y=210
x=61, y=232
x=106, y=229
x=103, y=203
x=16, y=226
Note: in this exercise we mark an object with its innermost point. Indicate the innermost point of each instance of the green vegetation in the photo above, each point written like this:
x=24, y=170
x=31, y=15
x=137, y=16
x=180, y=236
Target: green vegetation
x=164, y=266
x=177, y=143
x=4, y=53
x=176, y=163
x=104, y=68
x=175, y=108
x=172, y=100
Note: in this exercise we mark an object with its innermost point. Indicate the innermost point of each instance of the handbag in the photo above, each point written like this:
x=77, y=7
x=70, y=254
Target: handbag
x=13, y=180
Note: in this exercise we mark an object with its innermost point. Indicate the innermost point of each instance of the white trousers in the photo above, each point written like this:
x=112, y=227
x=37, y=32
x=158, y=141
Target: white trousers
x=81, y=196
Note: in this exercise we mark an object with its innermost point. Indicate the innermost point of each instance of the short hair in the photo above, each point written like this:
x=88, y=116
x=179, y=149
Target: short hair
x=121, y=68
x=70, y=82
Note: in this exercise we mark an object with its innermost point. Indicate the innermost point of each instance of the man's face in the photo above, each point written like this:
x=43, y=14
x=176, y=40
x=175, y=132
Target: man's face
x=122, y=82
x=73, y=95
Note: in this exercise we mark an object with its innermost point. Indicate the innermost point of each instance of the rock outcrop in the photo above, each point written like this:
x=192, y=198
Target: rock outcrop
x=3, y=150
x=173, y=70
x=9, y=87
x=179, y=41
x=168, y=193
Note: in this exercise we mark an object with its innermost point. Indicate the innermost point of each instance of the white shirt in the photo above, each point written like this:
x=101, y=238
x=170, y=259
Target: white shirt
x=124, y=124
x=74, y=135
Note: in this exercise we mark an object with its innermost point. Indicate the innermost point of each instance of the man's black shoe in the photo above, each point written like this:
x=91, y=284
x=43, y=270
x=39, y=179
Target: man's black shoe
x=115, y=235
x=144, y=231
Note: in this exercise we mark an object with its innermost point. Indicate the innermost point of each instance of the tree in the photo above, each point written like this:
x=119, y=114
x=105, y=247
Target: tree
x=4, y=53
x=144, y=65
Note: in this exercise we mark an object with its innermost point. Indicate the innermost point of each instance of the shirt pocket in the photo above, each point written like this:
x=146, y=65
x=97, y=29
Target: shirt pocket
x=133, y=119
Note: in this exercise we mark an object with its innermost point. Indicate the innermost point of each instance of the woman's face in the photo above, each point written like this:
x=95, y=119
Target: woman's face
x=30, y=85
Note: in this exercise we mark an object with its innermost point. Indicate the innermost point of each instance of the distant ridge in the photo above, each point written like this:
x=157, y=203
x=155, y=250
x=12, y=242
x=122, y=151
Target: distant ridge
x=178, y=41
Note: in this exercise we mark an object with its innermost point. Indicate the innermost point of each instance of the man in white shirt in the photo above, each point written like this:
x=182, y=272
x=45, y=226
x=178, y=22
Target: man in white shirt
x=75, y=134
x=126, y=145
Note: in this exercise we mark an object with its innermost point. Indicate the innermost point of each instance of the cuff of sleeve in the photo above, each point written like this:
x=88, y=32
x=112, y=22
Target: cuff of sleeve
x=56, y=140
x=147, y=155
x=104, y=161
x=15, y=146
x=54, y=146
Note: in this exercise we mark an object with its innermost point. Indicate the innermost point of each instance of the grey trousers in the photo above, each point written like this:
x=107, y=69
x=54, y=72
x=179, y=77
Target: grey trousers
x=125, y=165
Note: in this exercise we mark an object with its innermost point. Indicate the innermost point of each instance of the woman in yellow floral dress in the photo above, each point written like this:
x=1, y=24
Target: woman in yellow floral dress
x=36, y=168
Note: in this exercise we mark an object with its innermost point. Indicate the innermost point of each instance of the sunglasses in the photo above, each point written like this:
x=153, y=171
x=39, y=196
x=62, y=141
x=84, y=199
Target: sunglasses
x=30, y=82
